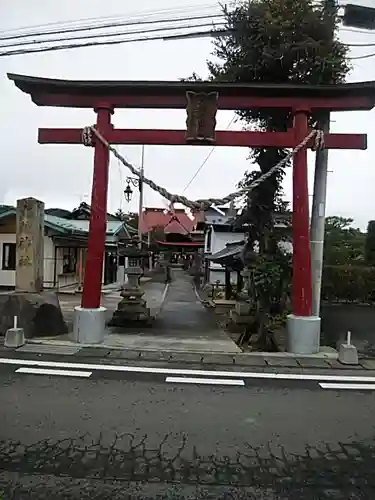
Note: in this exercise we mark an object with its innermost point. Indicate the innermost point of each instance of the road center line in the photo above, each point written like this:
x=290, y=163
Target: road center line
x=49, y=371
x=196, y=373
x=207, y=381
x=356, y=387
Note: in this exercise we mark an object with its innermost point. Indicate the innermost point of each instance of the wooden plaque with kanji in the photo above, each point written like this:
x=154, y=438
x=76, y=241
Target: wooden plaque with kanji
x=201, y=117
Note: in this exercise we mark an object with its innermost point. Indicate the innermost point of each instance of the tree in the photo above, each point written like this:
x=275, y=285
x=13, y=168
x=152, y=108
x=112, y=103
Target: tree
x=273, y=41
x=370, y=244
x=120, y=214
x=343, y=244
x=132, y=219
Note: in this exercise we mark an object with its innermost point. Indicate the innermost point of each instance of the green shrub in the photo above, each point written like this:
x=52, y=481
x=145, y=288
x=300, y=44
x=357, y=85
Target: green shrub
x=349, y=283
x=370, y=244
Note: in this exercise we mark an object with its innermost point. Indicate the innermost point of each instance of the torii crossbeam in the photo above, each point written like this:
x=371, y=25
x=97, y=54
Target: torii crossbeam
x=104, y=97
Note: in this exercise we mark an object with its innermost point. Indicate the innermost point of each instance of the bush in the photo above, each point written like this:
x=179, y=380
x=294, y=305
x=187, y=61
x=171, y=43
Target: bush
x=370, y=244
x=348, y=283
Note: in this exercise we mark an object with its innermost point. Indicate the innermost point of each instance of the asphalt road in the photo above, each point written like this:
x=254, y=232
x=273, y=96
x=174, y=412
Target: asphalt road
x=137, y=436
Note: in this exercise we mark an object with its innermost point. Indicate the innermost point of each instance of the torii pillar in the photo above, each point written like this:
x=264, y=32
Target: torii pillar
x=90, y=317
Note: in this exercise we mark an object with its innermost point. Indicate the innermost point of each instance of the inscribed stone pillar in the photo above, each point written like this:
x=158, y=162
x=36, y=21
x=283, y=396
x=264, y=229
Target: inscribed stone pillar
x=30, y=245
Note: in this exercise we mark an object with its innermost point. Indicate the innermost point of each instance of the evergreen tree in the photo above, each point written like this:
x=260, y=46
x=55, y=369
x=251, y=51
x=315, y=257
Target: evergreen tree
x=370, y=244
x=273, y=41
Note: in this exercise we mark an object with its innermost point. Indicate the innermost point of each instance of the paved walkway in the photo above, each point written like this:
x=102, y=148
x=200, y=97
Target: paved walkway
x=182, y=310
x=183, y=323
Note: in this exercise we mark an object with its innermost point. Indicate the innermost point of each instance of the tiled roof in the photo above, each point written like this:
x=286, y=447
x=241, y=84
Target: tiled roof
x=5, y=208
x=81, y=226
x=58, y=212
x=75, y=226
x=178, y=223
x=231, y=250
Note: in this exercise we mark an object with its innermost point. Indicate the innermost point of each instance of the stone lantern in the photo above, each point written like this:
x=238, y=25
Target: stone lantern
x=132, y=307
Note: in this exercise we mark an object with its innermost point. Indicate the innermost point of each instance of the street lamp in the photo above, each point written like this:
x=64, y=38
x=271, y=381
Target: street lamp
x=131, y=181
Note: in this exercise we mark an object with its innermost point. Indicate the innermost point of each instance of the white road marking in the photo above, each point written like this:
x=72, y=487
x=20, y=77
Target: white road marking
x=207, y=381
x=355, y=387
x=196, y=373
x=49, y=371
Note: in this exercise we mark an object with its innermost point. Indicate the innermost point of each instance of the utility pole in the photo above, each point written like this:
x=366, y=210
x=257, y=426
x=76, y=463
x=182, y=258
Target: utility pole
x=140, y=207
x=355, y=16
x=128, y=192
x=320, y=191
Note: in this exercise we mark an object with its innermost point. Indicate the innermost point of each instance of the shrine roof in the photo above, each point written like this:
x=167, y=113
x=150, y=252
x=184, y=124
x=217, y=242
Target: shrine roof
x=172, y=94
x=178, y=223
x=231, y=250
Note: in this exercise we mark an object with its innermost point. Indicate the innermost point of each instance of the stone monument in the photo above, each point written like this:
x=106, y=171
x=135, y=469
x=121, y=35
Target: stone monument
x=30, y=245
x=132, y=308
x=38, y=313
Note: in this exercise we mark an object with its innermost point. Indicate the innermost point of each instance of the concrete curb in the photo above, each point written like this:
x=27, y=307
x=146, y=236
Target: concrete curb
x=274, y=362
x=325, y=359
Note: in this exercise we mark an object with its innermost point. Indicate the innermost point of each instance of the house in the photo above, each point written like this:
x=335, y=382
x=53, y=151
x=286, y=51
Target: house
x=219, y=232
x=65, y=247
x=231, y=265
x=82, y=212
x=224, y=242
x=174, y=231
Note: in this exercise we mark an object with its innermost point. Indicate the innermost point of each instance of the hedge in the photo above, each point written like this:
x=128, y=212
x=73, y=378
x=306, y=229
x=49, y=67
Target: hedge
x=349, y=283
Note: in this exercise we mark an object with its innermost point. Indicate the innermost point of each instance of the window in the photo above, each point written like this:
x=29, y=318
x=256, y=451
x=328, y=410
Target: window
x=69, y=260
x=9, y=257
x=209, y=240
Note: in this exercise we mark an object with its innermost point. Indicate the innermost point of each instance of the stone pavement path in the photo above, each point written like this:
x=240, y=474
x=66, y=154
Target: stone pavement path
x=182, y=309
x=186, y=322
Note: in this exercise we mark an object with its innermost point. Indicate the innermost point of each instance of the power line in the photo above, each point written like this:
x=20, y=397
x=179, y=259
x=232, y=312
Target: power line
x=118, y=33
x=357, y=30
x=360, y=44
x=183, y=35
x=115, y=22
x=206, y=159
x=365, y=56
x=130, y=15
x=194, y=34
x=91, y=20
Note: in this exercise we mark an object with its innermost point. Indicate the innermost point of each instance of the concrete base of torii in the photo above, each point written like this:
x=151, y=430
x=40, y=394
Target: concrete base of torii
x=303, y=334
x=89, y=325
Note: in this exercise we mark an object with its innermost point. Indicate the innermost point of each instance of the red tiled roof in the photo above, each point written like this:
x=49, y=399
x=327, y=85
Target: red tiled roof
x=178, y=222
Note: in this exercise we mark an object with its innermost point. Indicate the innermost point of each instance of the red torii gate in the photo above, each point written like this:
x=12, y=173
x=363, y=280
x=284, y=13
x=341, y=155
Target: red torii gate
x=104, y=97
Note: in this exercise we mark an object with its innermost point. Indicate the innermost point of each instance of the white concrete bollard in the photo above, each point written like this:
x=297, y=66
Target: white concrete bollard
x=14, y=337
x=348, y=354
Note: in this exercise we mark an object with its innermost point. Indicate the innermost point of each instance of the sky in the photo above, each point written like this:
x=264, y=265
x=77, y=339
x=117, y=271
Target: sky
x=62, y=175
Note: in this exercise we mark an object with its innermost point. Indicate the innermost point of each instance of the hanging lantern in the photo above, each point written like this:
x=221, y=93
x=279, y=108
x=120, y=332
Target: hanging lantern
x=128, y=192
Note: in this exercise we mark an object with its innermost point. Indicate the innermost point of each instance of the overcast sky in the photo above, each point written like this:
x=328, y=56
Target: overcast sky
x=61, y=175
